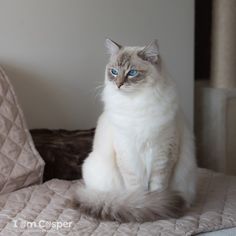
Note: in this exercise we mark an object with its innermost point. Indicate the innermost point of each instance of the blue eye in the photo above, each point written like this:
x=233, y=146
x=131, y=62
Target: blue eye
x=114, y=72
x=133, y=73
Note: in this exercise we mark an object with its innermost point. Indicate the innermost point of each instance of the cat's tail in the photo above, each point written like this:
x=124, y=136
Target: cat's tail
x=137, y=206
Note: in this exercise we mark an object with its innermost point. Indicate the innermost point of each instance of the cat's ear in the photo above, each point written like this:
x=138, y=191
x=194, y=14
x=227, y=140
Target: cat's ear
x=112, y=47
x=150, y=52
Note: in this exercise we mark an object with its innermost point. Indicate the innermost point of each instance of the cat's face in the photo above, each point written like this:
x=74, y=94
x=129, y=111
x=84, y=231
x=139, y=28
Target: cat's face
x=130, y=68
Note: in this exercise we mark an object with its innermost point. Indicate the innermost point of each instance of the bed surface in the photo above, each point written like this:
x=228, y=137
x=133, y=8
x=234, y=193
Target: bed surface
x=215, y=209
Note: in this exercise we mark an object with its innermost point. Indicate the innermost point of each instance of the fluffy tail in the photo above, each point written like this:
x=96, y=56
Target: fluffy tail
x=138, y=206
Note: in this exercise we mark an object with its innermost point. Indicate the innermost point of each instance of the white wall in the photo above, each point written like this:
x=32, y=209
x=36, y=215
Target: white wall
x=53, y=51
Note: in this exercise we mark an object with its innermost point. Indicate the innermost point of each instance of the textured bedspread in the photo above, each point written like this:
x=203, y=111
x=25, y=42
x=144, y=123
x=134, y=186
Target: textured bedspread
x=49, y=205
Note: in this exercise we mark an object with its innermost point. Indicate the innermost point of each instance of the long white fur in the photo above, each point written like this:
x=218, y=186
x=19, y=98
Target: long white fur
x=134, y=136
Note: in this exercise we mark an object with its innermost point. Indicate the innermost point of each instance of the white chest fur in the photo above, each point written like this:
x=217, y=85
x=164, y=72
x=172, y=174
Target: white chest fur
x=137, y=123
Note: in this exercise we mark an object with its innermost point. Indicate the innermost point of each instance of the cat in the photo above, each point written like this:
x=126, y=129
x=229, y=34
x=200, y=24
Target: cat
x=142, y=166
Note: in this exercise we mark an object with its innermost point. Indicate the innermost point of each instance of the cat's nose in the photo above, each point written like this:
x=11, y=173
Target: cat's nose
x=119, y=84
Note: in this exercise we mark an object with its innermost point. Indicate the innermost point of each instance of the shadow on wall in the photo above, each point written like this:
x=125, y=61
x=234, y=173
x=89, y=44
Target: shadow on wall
x=40, y=97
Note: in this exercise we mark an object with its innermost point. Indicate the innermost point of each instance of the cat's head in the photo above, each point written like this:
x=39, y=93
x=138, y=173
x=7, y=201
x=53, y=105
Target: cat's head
x=130, y=68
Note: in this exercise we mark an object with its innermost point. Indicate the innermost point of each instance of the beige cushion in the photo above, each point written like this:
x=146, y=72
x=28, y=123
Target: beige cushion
x=20, y=163
x=215, y=209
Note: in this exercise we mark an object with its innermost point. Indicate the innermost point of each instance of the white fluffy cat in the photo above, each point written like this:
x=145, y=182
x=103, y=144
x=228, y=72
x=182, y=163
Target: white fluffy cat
x=142, y=166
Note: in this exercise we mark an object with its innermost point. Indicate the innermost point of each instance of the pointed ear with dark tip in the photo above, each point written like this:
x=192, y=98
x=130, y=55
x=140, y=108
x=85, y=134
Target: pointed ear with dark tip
x=112, y=47
x=150, y=52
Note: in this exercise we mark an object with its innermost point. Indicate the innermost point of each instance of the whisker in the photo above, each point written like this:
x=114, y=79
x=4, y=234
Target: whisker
x=98, y=90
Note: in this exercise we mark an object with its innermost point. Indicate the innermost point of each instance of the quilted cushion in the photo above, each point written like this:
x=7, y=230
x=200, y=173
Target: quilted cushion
x=20, y=163
x=215, y=209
